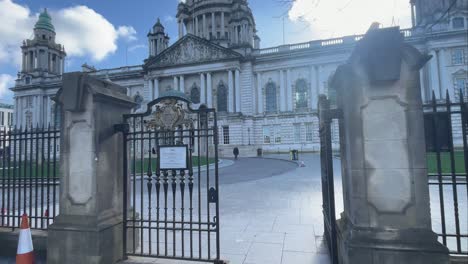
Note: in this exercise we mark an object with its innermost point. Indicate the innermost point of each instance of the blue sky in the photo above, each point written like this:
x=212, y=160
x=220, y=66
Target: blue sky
x=109, y=34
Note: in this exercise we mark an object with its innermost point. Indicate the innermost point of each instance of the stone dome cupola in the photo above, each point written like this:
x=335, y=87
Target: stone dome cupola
x=44, y=22
x=44, y=30
x=229, y=23
x=158, y=40
x=158, y=27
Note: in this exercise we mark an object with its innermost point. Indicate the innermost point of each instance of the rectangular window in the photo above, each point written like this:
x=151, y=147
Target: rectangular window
x=461, y=84
x=458, y=22
x=458, y=57
x=278, y=134
x=10, y=119
x=2, y=118
x=266, y=135
x=297, y=133
x=309, y=132
x=29, y=102
x=226, y=135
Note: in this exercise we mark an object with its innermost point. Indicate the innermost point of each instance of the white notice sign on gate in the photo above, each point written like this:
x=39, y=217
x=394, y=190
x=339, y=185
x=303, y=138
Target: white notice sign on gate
x=173, y=157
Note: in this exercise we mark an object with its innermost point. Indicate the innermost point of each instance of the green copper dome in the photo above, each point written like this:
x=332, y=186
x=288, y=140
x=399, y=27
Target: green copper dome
x=44, y=22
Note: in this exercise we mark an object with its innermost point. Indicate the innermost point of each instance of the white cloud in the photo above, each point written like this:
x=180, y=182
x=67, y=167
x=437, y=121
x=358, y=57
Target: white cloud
x=127, y=32
x=82, y=31
x=333, y=18
x=16, y=26
x=6, y=81
x=135, y=47
x=169, y=19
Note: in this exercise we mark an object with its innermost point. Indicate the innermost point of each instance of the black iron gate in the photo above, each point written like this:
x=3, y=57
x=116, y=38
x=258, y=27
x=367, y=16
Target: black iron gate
x=446, y=129
x=171, y=207
x=326, y=116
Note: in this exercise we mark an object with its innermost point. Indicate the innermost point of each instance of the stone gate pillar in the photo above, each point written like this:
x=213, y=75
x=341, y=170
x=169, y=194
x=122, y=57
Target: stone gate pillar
x=386, y=216
x=88, y=228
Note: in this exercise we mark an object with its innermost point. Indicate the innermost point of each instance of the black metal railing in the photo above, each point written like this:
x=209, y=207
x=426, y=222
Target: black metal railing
x=326, y=117
x=29, y=177
x=171, y=212
x=446, y=129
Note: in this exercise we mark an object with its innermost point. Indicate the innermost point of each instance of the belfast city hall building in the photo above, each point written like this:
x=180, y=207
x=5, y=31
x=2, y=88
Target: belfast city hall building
x=266, y=97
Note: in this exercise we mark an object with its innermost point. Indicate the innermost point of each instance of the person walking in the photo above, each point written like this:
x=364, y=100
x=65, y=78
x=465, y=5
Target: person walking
x=235, y=151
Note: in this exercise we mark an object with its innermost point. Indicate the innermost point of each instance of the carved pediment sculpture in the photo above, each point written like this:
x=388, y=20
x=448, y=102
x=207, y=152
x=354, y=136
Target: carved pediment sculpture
x=191, y=49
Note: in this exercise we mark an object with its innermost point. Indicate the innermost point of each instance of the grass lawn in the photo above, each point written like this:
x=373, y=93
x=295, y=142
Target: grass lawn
x=29, y=170
x=445, y=162
x=196, y=161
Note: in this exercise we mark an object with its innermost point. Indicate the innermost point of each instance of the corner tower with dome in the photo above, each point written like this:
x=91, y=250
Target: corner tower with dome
x=266, y=98
x=42, y=57
x=43, y=63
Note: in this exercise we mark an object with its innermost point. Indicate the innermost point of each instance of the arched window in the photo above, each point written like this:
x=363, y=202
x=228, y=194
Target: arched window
x=301, y=93
x=195, y=94
x=29, y=119
x=270, y=94
x=138, y=99
x=222, y=98
x=57, y=110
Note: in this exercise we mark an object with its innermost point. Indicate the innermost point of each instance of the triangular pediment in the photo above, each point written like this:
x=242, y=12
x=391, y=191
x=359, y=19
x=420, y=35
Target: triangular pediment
x=461, y=72
x=191, y=50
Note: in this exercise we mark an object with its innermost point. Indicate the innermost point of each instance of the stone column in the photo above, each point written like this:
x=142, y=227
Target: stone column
x=202, y=89
x=196, y=26
x=386, y=216
x=35, y=114
x=444, y=73
x=434, y=75
x=209, y=90
x=89, y=226
x=48, y=113
x=156, y=88
x=313, y=91
x=23, y=63
x=176, y=86
x=238, y=91
x=259, y=93
x=282, y=98
x=213, y=25
x=317, y=79
x=151, y=88
x=230, y=92
x=205, y=27
x=223, y=32
x=289, y=98
x=181, y=29
x=15, y=120
x=182, y=83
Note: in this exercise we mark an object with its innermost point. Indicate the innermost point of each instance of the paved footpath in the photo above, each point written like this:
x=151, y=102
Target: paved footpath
x=270, y=212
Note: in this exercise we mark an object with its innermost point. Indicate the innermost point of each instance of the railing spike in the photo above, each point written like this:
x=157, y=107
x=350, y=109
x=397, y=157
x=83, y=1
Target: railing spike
x=433, y=96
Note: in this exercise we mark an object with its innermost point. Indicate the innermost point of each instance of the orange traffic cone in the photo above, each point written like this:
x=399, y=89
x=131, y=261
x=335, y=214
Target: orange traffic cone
x=25, y=253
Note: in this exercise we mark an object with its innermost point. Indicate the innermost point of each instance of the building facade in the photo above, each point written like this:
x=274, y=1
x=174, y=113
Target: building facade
x=6, y=116
x=266, y=98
